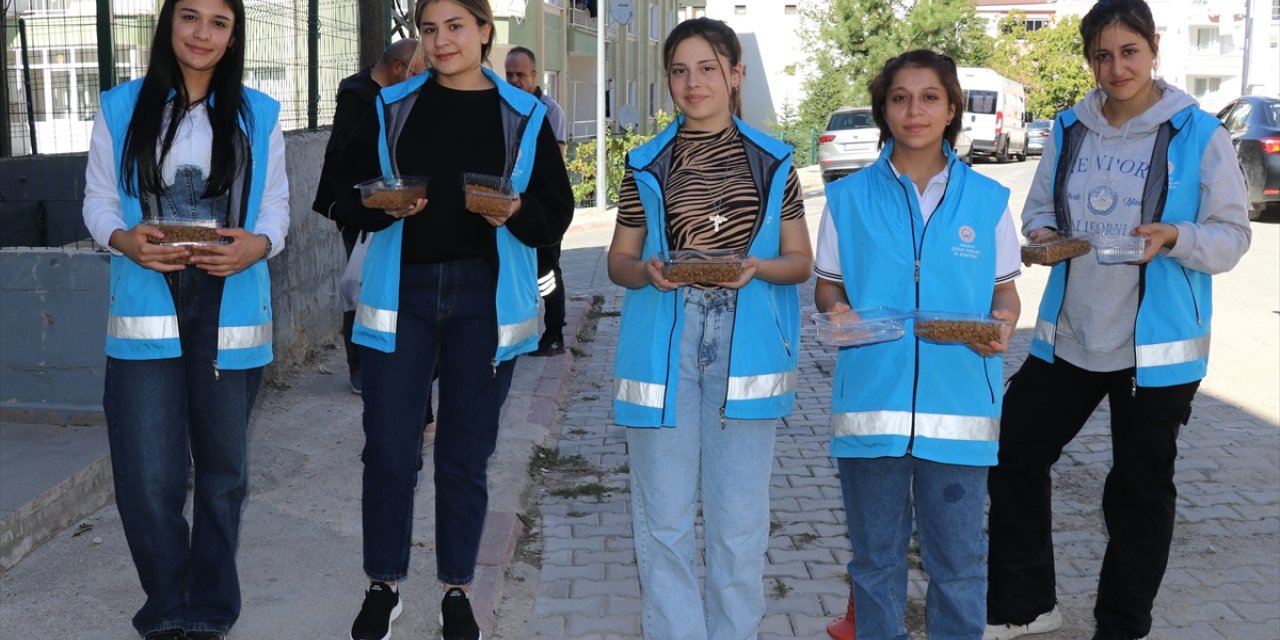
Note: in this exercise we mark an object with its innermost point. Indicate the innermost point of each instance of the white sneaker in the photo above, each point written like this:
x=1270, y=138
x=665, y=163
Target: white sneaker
x=1044, y=623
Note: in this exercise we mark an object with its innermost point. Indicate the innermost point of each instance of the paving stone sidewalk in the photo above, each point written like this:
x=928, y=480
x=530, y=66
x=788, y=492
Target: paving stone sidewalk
x=1223, y=581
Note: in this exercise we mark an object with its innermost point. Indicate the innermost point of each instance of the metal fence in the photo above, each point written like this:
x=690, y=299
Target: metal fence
x=55, y=58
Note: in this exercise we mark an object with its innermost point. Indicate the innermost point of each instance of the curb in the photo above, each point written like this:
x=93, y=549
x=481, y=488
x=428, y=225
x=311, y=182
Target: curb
x=502, y=529
x=59, y=507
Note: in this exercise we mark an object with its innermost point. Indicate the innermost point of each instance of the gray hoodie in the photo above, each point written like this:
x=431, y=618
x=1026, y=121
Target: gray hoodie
x=1104, y=195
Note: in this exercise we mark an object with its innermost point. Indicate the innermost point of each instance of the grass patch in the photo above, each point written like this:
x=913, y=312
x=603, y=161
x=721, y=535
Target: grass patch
x=548, y=459
x=578, y=352
x=803, y=540
x=780, y=589
x=594, y=489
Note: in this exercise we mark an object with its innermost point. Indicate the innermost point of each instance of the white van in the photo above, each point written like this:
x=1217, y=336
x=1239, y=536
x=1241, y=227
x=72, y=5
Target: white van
x=994, y=114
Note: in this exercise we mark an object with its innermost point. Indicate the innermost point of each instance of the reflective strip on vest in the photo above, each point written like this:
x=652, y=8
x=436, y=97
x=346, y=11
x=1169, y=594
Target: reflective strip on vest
x=928, y=425
x=762, y=386
x=1045, y=331
x=383, y=320
x=143, y=327
x=645, y=394
x=1167, y=353
x=244, y=337
x=513, y=334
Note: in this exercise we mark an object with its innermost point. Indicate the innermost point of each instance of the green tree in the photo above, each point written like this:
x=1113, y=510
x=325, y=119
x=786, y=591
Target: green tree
x=582, y=165
x=850, y=41
x=1061, y=77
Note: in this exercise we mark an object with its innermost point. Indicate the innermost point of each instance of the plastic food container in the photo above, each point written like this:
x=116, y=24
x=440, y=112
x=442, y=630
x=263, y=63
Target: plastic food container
x=861, y=327
x=708, y=266
x=192, y=234
x=395, y=192
x=966, y=328
x=1055, y=251
x=1118, y=249
x=488, y=194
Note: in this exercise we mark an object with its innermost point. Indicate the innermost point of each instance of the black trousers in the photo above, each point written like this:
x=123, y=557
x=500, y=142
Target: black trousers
x=1045, y=406
x=549, y=261
x=349, y=237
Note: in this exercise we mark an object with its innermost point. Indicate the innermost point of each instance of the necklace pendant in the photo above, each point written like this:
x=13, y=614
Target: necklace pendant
x=717, y=220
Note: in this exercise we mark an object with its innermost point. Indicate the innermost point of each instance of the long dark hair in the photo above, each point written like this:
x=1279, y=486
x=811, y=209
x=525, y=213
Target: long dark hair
x=939, y=63
x=723, y=41
x=140, y=158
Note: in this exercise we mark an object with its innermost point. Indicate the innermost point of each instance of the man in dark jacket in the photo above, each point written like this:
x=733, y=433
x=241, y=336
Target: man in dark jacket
x=356, y=94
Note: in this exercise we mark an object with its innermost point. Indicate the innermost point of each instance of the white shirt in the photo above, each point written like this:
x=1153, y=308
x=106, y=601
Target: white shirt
x=826, y=263
x=192, y=146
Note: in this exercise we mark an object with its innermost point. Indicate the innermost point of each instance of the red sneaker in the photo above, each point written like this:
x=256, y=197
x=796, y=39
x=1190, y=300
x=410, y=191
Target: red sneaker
x=842, y=628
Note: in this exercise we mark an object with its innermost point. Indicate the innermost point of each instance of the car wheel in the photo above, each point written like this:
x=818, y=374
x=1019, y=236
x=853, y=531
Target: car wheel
x=1002, y=153
x=1256, y=209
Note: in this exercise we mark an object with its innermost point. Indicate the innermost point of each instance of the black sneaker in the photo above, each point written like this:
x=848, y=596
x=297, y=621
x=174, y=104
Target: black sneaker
x=357, y=385
x=456, y=619
x=547, y=348
x=206, y=635
x=167, y=634
x=381, y=606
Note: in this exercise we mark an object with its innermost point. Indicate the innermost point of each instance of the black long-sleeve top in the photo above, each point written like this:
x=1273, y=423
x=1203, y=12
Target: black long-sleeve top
x=449, y=132
x=356, y=95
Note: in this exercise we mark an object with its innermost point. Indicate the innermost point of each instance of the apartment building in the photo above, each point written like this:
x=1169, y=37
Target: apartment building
x=564, y=35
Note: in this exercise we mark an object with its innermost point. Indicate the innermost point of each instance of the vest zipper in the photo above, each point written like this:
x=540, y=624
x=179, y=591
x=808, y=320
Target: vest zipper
x=729, y=365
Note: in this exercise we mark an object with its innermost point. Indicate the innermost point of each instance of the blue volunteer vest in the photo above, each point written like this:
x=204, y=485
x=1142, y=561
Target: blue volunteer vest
x=764, y=353
x=938, y=402
x=517, y=294
x=1171, y=334
x=142, y=323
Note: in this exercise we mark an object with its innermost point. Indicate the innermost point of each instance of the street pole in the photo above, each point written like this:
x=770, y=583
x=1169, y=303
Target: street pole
x=1248, y=45
x=602, y=32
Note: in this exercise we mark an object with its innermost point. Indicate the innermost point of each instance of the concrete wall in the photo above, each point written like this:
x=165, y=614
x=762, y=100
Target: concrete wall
x=40, y=200
x=53, y=302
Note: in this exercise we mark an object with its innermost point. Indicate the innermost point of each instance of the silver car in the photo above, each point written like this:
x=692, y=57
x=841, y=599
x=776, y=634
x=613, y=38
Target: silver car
x=849, y=143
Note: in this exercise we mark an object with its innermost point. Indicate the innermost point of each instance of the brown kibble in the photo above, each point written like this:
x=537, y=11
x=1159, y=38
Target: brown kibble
x=487, y=200
x=184, y=234
x=710, y=272
x=196, y=250
x=1055, y=251
x=393, y=198
x=966, y=331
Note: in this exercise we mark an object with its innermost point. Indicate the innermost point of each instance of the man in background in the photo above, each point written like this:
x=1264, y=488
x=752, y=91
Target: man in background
x=522, y=72
x=356, y=94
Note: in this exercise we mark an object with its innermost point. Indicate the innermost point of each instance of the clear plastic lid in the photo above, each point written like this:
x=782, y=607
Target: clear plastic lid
x=860, y=326
x=392, y=192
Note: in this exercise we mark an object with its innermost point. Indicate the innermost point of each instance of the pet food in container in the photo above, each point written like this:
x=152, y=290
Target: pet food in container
x=488, y=194
x=1055, y=251
x=392, y=193
x=705, y=266
x=185, y=232
x=859, y=327
x=965, y=328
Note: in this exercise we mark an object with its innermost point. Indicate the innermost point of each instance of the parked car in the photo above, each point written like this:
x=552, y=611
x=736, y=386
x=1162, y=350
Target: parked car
x=964, y=146
x=1254, y=124
x=849, y=143
x=1037, y=132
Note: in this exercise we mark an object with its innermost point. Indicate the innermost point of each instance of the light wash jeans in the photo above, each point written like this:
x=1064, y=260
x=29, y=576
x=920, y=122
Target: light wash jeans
x=880, y=495
x=730, y=460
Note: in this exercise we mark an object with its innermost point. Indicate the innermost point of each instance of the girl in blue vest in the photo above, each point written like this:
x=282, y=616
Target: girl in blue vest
x=914, y=423
x=445, y=289
x=186, y=344
x=1136, y=156
x=704, y=372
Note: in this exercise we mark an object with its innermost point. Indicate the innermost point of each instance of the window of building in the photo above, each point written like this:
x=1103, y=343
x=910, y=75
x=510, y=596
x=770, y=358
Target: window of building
x=1204, y=39
x=740, y=9
x=1203, y=86
x=653, y=21
x=653, y=99
x=1275, y=9
x=1036, y=24
x=791, y=9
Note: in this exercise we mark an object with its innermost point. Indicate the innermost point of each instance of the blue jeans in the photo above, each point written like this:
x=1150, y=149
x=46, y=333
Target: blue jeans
x=447, y=323
x=731, y=461
x=163, y=417
x=880, y=495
